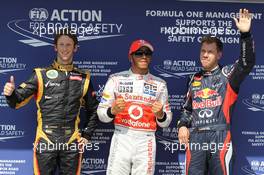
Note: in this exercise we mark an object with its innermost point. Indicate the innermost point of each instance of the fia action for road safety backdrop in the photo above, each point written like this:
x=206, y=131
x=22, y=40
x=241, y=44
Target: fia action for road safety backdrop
x=105, y=32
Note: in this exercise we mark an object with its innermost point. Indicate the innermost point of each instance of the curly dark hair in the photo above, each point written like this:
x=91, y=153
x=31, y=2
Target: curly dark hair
x=67, y=32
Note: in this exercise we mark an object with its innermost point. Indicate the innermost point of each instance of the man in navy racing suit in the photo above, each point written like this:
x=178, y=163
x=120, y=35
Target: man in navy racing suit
x=212, y=93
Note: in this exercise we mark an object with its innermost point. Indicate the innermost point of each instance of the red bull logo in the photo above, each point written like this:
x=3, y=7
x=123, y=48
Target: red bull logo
x=205, y=93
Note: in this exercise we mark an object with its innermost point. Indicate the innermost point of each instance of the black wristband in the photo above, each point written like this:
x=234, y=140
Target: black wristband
x=109, y=113
x=163, y=118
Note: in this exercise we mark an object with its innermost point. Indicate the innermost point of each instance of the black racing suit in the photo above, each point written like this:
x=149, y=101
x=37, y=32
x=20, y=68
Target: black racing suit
x=60, y=91
x=207, y=112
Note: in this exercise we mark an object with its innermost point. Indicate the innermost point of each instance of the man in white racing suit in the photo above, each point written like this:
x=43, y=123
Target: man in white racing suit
x=137, y=101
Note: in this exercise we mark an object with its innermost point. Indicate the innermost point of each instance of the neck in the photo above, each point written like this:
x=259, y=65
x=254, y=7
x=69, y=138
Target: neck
x=140, y=71
x=212, y=69
x=62, y=62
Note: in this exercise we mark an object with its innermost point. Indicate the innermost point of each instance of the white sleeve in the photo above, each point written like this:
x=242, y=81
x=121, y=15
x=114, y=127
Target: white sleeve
x=107, y=99
x=166, y=107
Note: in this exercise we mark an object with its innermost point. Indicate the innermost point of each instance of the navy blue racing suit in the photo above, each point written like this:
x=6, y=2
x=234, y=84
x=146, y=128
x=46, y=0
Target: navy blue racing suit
x=207, y=111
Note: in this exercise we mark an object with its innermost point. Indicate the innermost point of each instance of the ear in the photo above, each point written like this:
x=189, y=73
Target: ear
x=220, y=54
x=55, y=48
x=130, y=58
x=75, y=48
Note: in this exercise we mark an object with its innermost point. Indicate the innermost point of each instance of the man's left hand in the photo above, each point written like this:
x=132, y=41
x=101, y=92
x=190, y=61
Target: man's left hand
x=244, y=21
x=83, y=141
x=157, y=109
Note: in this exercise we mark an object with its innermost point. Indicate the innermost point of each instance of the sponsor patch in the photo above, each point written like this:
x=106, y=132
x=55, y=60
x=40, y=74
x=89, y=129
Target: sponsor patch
x=196, y=83
x=78, y=78
x=106, y=95
x=23, y=85
x=150, y=89
x=135, y=112
x=52, y=74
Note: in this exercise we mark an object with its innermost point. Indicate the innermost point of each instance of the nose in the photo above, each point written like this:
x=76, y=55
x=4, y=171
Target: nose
x=144, y=55
x=205, y=54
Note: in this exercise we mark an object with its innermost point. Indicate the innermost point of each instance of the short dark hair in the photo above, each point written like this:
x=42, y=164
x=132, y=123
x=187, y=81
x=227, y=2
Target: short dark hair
x=67, y=32
x=212, y=39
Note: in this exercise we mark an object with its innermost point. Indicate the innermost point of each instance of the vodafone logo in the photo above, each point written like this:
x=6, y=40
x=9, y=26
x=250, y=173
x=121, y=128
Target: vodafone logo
x=135, y=112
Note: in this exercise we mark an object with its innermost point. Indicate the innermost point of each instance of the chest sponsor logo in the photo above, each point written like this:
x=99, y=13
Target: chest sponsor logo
x=135, y=112
x=139, y=98
x=150, y=89
x=205, y=93
x=125, y=87
x=206, y=113
x=207, y=103
x=51, y=84
x=77, y=78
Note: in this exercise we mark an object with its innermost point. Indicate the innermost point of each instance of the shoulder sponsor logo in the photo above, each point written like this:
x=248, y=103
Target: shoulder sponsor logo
x=52, y=74
x=106, y=95
x=23, y=85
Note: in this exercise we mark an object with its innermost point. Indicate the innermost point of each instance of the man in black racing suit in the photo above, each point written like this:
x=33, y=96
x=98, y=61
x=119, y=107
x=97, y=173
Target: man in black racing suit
x=60, y=90
x=204, y=125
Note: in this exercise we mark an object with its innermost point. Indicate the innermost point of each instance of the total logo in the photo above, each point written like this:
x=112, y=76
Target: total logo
x=135, y=112
x=256, y=103
x=40, y=25
x=205, y=93
x=177, y=68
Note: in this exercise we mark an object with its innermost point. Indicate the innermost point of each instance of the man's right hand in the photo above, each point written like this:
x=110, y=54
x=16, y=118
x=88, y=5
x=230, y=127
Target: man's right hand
x=118, y=106
x=184, y=135
x=9, y=87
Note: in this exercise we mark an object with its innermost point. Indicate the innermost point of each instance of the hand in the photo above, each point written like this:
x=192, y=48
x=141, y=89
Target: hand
x=118, y=106
x=83, y=141
x=244, y=21
x=81, y=144
x=9, y=87
x=184, y=135
x=157, y=109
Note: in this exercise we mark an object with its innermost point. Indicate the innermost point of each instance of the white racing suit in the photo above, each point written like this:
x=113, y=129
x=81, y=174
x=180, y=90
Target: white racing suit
x=133, y=145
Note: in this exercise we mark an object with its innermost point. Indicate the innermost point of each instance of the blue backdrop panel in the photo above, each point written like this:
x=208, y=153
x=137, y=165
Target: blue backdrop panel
x=105, y=32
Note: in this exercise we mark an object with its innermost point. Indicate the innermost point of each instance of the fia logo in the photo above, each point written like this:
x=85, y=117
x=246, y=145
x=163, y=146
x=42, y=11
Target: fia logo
x=38, y=14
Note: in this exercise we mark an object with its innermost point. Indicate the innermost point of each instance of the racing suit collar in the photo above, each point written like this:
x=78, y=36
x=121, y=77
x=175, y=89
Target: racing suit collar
x=140, y=76
x=212, y=72
x=56, y=65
